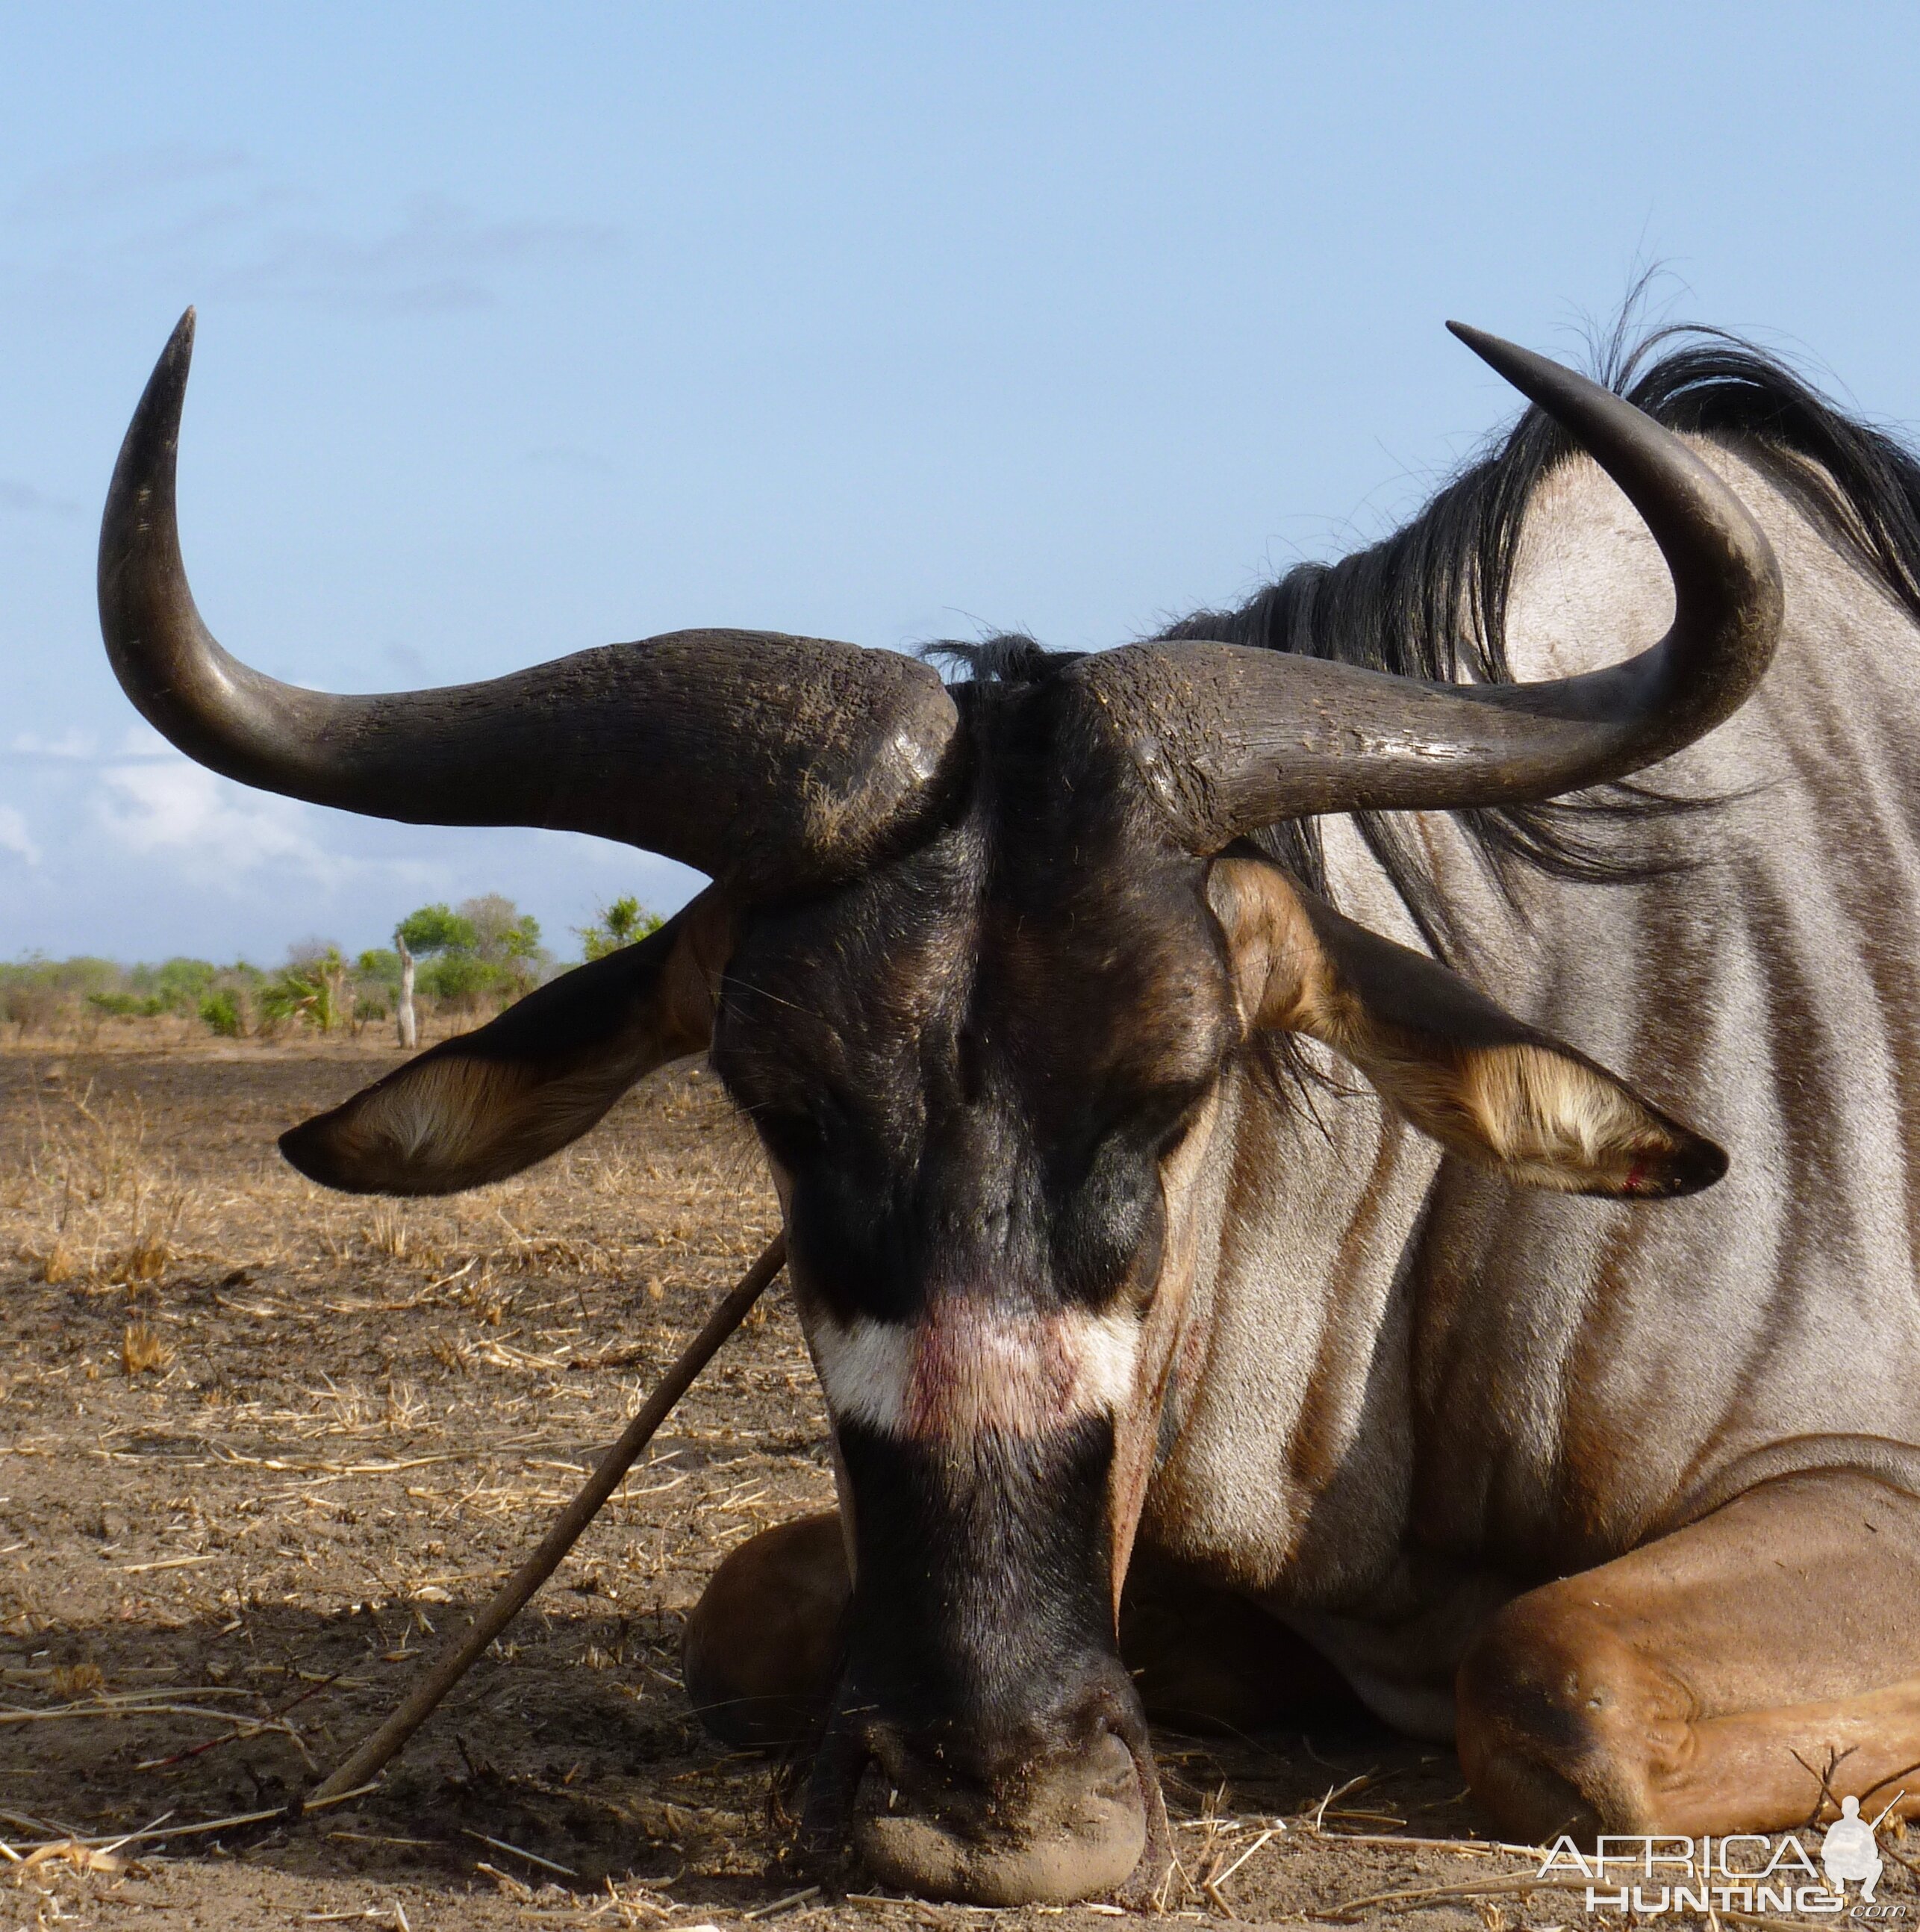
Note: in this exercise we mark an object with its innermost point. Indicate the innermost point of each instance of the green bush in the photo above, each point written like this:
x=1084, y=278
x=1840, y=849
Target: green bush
x=45, y=994
x=487, y=949
x=457, y=977
x=128, y=1005
x=37, y=993
x=179, y=985
x=311, y=988
x=379, y=966
x=220, y=1010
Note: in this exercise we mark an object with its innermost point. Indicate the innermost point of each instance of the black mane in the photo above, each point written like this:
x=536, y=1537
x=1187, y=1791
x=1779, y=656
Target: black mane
x=1009, y=657
x=1397, y=606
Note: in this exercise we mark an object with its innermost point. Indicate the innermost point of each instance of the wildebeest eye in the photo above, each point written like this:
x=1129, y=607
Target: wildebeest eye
x=1178, y=1121
x=804, y=1127
x=1160, y=1120
x=791, y=1135
x=1121, y=1146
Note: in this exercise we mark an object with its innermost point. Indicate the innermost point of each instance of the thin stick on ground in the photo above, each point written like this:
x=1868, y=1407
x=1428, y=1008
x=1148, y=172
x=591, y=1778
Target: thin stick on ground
x=376, y=1751
x=206, y=1828
x=531, y=1858
x=1446, y=1891
x=244, y=1728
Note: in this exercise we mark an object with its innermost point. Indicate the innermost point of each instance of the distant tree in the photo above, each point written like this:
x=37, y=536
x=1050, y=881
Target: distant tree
x=377, y=975
x=460, y=979
x=615, y=926
x=178, y=986
x=421, y=935
x=507, y=940
x=378, y=967
x=488, y=946
x=434, y=929
x=37, y=992
x=495, y=921
x=32, y=995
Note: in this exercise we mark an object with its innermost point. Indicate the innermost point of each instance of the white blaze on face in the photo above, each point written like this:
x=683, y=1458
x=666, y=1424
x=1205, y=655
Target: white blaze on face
x=964, y=1367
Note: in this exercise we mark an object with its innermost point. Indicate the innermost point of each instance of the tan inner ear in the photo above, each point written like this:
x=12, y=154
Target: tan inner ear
x=1281, y=976
x=1432, y=1047
x=456, y=1123
x=1545, y=1119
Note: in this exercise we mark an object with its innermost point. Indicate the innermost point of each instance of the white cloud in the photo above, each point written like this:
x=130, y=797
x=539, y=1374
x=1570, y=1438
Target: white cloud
x=140, y=740
x=72, y=743
x=155, y=804
x=217, y=828
x=14, y=836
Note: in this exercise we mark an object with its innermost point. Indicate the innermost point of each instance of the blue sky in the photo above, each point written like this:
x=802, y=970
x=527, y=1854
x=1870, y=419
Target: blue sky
x=527, y=329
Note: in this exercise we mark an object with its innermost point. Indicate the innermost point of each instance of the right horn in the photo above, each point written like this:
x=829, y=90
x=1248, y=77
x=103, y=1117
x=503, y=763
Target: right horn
x=768, y=762
x=1231, y=738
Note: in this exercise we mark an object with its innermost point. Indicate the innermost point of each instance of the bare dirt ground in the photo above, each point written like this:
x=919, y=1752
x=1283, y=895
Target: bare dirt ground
x=262, y=1447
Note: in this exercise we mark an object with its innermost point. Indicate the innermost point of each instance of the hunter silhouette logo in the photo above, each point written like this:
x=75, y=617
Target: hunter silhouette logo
x=1851, y=1851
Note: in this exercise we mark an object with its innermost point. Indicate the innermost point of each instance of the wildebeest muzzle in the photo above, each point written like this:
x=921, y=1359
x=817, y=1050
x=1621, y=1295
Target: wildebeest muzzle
x=985, y=1741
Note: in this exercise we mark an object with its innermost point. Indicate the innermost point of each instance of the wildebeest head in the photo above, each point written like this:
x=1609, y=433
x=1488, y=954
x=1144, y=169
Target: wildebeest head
x=975, y=963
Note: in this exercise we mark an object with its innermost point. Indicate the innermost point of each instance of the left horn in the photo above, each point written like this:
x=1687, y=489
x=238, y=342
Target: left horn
x=1231, y=739
x=767, y=761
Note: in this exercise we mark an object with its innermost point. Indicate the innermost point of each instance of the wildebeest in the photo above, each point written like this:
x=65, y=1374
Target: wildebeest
x=1167, y=1198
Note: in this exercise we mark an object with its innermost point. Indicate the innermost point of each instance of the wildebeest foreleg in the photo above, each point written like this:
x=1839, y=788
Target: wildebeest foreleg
x=1704, y=1682
x=762, y=1645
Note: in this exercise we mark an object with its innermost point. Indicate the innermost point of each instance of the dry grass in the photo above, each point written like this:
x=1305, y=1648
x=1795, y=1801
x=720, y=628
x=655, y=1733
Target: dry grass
x=94, y=1195
x=142, y=1350
x=253, y=1437
x=96, y=1200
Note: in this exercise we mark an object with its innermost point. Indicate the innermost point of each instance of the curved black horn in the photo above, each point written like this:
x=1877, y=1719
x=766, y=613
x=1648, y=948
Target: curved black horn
x=1231, y=738
x=766, y=761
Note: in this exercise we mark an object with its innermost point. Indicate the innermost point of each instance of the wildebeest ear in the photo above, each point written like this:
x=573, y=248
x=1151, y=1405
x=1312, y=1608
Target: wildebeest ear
x=492, y=1102
x=1460, y=1068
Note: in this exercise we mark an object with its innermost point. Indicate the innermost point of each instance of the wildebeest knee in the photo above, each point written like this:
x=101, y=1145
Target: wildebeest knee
x=1562, y=1725
x=761, y=1646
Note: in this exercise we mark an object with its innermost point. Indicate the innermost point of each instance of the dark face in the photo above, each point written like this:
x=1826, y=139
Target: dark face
x=974, y=1069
